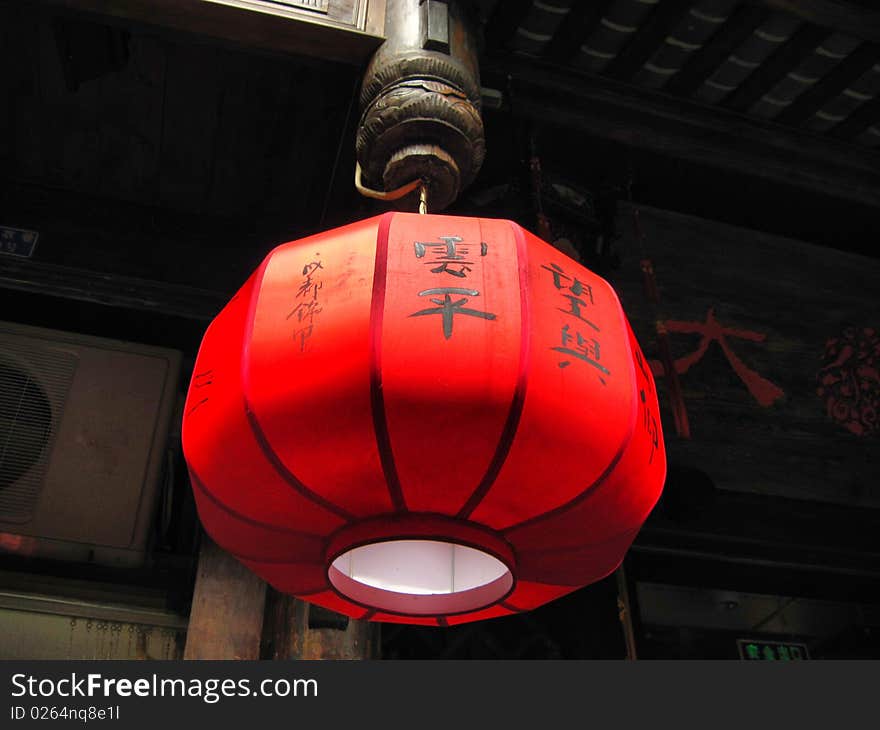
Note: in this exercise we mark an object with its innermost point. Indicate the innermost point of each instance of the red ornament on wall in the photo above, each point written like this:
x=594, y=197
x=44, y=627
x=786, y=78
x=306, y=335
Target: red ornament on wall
x=424, y=419
x=849, y=380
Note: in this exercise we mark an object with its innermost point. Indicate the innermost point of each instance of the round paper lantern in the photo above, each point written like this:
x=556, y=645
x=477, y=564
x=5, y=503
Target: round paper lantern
x=423, y=419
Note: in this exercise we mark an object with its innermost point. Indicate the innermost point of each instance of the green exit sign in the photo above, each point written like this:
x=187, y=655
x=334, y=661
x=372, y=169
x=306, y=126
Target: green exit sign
x=772, y=651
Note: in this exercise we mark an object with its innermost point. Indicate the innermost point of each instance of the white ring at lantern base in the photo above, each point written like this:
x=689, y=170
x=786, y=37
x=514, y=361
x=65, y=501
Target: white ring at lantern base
x=422, y=577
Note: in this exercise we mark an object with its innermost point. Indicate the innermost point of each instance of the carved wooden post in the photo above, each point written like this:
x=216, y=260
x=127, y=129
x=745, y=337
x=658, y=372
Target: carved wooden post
x=420, y=102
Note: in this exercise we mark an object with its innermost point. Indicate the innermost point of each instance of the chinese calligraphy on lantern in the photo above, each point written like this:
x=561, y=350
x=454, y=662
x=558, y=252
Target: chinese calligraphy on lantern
x=711, y=330
x=201, y=381
x=649, y=419
x=307, y=305
x=577, y=299
x=448, y=308
x=849, y=380
x=587, y=349
x=450, y=256
x=578, y=295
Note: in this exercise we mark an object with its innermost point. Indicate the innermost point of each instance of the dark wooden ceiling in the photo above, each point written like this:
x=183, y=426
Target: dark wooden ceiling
x=144, y=150
x=812, y=65
x=116, y=141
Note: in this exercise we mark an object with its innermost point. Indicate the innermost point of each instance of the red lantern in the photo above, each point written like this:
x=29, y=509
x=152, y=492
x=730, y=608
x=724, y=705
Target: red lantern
x=424, y=419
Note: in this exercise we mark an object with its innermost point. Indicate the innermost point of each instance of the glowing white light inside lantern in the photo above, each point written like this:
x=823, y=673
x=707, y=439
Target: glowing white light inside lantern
x=424, y=575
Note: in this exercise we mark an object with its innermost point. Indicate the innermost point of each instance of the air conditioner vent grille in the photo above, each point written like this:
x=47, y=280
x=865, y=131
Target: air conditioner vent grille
x=34, y=382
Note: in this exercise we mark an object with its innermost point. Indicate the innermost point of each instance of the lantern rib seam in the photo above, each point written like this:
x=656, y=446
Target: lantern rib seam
x=621, y=450
x=298, y=594
x=514, y=414
x=581, y=497
x=285, y=473
x=377, y=398
x=266, y=561
x=402, y=614
x=574, y=548
x=310, y=592
x=416, y=535
x=197, y=482
x=280, y=468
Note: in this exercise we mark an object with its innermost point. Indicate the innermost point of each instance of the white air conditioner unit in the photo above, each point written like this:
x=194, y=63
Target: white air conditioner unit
x=83, y=428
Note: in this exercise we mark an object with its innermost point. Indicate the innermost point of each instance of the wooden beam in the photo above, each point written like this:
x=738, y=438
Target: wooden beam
x=786, y=58
x=627, y=612
x=505, y=19
x=857, y=122
x=648, y=38
x=226, y=619
x=663, y=565
x=859, y=21
x=282, y=639
x=704, y=62
x=575, y=29
x=832, y=84
x=706, y=545
x=348, y=36
x=348, y=639
x=114, y=290
x=705, y=135
x=294, y=629
x=374, y=23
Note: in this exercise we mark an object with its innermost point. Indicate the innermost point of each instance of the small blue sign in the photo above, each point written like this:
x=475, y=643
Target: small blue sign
x=18, y=241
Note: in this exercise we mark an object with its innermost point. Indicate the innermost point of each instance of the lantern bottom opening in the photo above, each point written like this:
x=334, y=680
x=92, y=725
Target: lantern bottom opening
x=420, y=577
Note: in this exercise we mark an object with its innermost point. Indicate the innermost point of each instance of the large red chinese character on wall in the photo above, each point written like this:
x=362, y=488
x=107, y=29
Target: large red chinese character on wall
x=711, y=330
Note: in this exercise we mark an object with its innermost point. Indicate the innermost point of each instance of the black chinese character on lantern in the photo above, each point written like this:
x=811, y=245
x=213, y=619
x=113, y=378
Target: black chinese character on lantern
x=649, y=423
x=308, y=307
x=579, y=298
x=585, y=349
x=578, y=294
x=447, y=308
x=449, y=256
x=649, y=420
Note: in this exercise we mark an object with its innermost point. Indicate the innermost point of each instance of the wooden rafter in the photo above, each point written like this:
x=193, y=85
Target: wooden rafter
x=678, y=128
x=857, y=122
x=832, y=85
x=575, y=29
x=704, y=62
x=648, y=38
x=859, y=21
x=786, y=58
x=504, y=21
